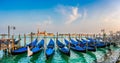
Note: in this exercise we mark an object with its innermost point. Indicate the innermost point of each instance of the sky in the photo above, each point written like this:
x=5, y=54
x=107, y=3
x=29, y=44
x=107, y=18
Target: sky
x=63, y=16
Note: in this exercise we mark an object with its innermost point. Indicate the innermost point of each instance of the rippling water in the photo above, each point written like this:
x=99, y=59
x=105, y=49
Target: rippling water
x=58, y=57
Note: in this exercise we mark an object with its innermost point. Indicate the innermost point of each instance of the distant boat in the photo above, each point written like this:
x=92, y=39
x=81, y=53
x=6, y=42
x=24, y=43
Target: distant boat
x=98, y=43
x=74, y=46
x=62, y=48
x=85, y=45
x=106, y=43
x=50, y=49
x=38, y=48
x=24, y=49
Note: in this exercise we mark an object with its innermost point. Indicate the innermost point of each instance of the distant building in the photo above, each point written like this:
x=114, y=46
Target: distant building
x=44, y=33
x=50, y=34
x=31, y=33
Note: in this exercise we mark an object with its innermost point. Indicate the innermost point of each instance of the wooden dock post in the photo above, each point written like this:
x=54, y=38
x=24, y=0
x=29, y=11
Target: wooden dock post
x=93, y=35
x=87, y=43
x=13, y=46
x=87, y=35
x=87, y=46
x=36, y=35
x=8, y=31
x=8, y=45
x=19, y=39
x=24, y=39
x=54, y=37
x=69, y=41
x=31, y=35
x=44, y=42
x=69, y=37
x=79, y=36
x=62, y=38
x=94, y=42
x=0, y=45
x=75, y=36
x=57, y=36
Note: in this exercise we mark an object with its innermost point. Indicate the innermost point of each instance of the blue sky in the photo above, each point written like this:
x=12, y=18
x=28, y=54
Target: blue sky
x=64, y=16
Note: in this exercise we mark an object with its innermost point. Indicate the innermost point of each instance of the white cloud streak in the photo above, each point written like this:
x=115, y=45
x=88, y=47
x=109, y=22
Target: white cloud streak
x=70, y=13
x=73, y=16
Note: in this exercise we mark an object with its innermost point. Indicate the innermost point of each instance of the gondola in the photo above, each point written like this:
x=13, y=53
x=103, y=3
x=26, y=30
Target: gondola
x=39, y=47
x=96, y=43
x=106, y=43
x=74, y=46
x=50, y=49
x=17, y=41
x=62, y=48
x=24, y=49
x=85, y=45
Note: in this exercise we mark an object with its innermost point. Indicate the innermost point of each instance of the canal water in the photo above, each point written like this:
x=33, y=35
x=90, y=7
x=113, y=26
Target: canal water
x=58, y=57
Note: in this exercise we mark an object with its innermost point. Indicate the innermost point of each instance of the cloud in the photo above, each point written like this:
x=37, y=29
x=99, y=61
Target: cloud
x=70, y=13
x=73, y=16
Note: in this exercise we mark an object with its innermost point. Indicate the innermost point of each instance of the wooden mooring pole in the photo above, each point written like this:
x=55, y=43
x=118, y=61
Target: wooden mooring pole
x=0, y=45
x=24, y=39
x=62, y=38
x=8, y=31
x=69, y=41
x=69, y=36
x=87, y=46
x=37, y=36
x=57, y=36
x=87, y=35
x=13, y=46
x=94, y=41
x=54, y=37
x=19, y=39
x=79, y=36
x=44, y=43
x=31, y=35
x=76, y=36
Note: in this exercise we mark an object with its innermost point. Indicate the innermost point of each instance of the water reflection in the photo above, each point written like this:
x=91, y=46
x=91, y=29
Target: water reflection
x=35, y=57
x=50, y=59
x=81, y=57
x=63, y=56
x=18, y=57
